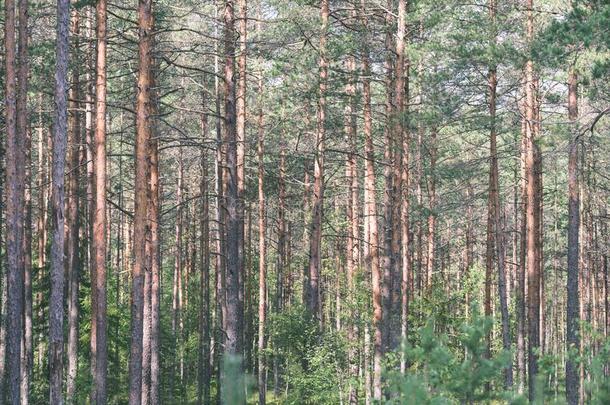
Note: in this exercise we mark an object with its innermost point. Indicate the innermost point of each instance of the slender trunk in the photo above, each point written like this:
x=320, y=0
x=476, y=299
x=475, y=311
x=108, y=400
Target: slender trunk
x=370, y=213
x=240, y=108
x=396, y=128
x=468, y=251
x=388, y=196
x=72, y=218
x=496, y=213
x=89, y=158
x=489, y=255
x=262, y=253
x=3, y=308
x=3, y=278
x=41, y=226
x=572, y=313
x=283, y=269
x=352, y=248
x=204, y=375
x=432, y=206
x=155, y=287
x=23, y=129
x=143, y=137
x=306, y=220
x=99, y=214
x=176, y=282
x=60, y=140
x=15, y=199
x=522, y=284
x=315, y=242
x=232, y=389
x=532, y=215
x=219, y=219
x=402, y=138
x=419, y=197
x=146, y=311
x=151, y=325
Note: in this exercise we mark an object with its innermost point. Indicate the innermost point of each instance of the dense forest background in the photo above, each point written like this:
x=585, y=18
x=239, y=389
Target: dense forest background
x=305, y=201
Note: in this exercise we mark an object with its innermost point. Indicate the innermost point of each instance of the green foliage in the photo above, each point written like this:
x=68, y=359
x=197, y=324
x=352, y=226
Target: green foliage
x=314, y=362
x=440, y=374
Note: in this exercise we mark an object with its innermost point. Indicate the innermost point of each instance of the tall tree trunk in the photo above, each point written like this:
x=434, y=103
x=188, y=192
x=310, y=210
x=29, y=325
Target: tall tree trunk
x=219, y=219
x=143, y=137
x=3, y=308
x=72, y=218
x=240, y=107
x=177, y=275
x=402, y=138
x=60, y=140
x=572, y=313
x=23, y=129
x=204, y=375
x=352, y=253
x=3, y=277
x=532, y=215
x=283, y=269
x=146, y=311
x=15, y=198
x=41, y=226
x=232, y=389
x=370, y=213
x=262, y=253
x=395, y=122
x=419, y=169
x=500, y=246
x=495, y=208
x=388, y=196
x=522, y=284
x=99, y=214
x=315, y=242
x=89, y=158
x=430, y=263
x=155, y=288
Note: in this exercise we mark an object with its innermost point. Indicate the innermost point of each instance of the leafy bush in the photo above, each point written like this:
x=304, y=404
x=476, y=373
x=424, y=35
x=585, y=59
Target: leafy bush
x=440, y=375
x=314, y=362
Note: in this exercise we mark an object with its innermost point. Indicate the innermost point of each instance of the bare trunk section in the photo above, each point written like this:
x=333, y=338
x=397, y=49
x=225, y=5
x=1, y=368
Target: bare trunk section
x=90, y=151
x=370, y=214
x=155, y=271
x=15, y=199
x=389, y=155
x=495, y=213
x=219, y=220
x=13, y=288
x=315, y=242
x=60, y=140
x=99, y=214
x=431, y=247
x=142, y=151
x=232, y=389
x=262, y=253
x=402, y=138
x=532, y=214
x=204, y=374
x=3, y=279
x=572, y=314
x=522, y=284
x=240, y=107
x=176, y=314
x=23, y=130
x=72, y=219
x=41, y=224
x=352, y=253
